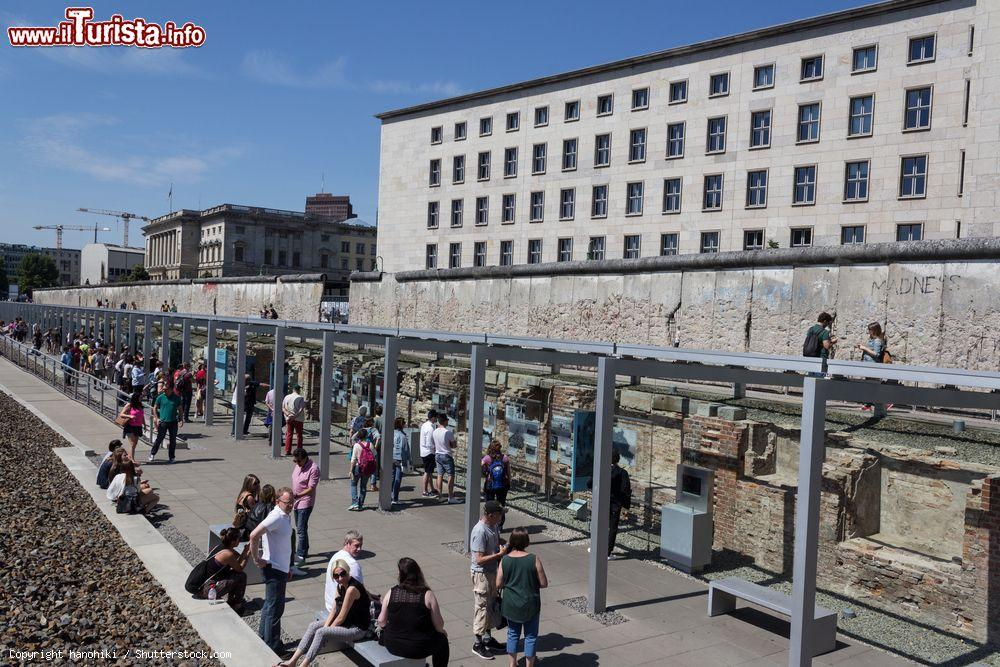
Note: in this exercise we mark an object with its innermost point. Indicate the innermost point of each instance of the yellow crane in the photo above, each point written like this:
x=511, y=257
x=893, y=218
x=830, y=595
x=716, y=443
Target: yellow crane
x=59, y=231
x=121, y=215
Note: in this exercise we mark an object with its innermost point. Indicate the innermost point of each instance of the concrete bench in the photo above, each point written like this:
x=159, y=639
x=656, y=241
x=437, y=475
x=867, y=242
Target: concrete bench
x=254, y=575
x=373, y=652
x=722, y=595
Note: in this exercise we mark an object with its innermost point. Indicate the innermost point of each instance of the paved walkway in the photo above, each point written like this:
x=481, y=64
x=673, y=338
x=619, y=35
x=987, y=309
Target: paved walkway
x=665, y=612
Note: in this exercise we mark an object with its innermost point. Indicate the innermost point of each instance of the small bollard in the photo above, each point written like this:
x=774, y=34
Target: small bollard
x=958, y=426
x=848, y=614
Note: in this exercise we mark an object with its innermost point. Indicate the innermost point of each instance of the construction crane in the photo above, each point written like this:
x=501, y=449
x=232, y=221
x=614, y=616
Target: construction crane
x=59, y=231
x=121, y=215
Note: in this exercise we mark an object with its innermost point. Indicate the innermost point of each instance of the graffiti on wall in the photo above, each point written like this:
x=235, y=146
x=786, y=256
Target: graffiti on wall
x=912, y=285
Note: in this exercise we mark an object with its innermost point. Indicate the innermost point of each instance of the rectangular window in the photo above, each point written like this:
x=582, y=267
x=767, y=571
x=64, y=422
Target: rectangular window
x=296, y=258
x=633, y=244
x=709, y=242
x=637, y=145
x=479, y=254
x=595, y=248
x=456, y=212
x=801, y=237
x=506, y=253
x=486, y=126
x=808, y=122
x=605, y=105
x=569, y=155
x=567, y=203
x=541, y=116
x=712, y=200
x=345, y=246
x=718, y=85
x=599, y=202
x=862, y=112
x=460, y=131
x=238, y=256
x=672, y=195
x=668, y=244
x=269, y=257
x=640, y=99
x=678, y=92
x=359, y=248
x=760, y=129
x=757, y=188
x=483, y=166
x=513, y=121
x=633, y=196
x=436, y=135
x=812, y=69
x=458, y=169
x=675, y=140
x=763, y=77
x=716, y=140
x=909, y=232
x=602, y=150
x=804, y=190
x=433, y=209
x=534, y=251
x=965, y=102
x=918, y=109
x=454, y=255
x=852, y=235
x=753, y=239
x=571, y=111
x=482, y=210
x=537, y=212
x=913, y=177
x=565, y=250
x=508, y=208
x=921, y=50
x=538, y=155
x=345, y=263
x=510, y=162
x=864, y=59
x=435, y=173
x=961, y=172
x=972, y=38
x=856, y=181
x=431, y=256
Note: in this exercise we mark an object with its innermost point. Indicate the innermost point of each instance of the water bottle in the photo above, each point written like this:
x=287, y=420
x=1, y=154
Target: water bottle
x=213, y=597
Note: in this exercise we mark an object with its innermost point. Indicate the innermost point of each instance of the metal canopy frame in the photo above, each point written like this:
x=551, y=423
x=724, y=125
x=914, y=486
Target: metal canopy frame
x=820, y=381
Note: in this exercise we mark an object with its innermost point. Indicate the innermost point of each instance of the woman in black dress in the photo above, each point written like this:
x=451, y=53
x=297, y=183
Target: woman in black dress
x=411, y=622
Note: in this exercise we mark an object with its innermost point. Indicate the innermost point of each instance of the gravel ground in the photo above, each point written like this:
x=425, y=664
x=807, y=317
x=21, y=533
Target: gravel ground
x=579, y=604
x=67, y=579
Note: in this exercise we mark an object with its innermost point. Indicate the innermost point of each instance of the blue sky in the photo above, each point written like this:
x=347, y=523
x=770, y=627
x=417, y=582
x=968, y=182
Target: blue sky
x=276, y=98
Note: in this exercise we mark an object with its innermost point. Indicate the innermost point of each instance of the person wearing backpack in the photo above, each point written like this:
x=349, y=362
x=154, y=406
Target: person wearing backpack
x=224, y=569
x=400, y=456
x=496, y=476
x=875, y=351
x=818, y=340
x=184, y=384
x=362, y=466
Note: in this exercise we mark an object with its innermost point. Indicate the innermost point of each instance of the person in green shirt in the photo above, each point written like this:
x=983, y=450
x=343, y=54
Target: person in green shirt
x=819, y=341
x=166, y=410
x=521, y=577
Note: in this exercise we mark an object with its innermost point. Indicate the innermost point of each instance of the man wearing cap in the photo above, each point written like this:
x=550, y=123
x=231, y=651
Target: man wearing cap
x=293, y=407
x=485, y=553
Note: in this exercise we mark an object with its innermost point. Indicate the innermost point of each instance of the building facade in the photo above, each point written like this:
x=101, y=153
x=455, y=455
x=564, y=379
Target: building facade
x=334, y=208
x=107, y=263
x=231, y=240
x=67, y=261
x=875, y=124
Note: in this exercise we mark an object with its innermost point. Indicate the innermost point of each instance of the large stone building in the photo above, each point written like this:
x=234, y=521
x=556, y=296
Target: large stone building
x=335, y=208
x=107, y=263
x=874, y=124
x=67, y=261
x=231, y=240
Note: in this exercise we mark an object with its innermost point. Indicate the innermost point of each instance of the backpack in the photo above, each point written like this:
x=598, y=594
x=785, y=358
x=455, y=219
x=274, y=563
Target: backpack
x=128, y=501
x=199, y=574
x=813, y=346
x=183, y=383
x=366, y=460
x=886, y=356
x=496, y=475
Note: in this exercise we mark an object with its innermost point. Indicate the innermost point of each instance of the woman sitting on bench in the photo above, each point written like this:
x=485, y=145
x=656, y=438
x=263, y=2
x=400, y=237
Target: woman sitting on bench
x=346, y=624
x=411, y=619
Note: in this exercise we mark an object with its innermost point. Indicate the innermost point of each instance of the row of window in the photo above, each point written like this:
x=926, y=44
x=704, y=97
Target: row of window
x=922, y=49
x=753, y=239
x=916, y=117
x=912, y=184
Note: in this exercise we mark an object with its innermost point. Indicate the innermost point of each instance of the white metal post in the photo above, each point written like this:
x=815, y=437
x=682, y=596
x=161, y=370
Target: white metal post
x=597, y=583
x=326, y=406
x=474, y=438
x=147, y=341
x=278, y=387
x=388, y=419
x=165, y=343
x=210, y=375
x=185, y=341
x=240, y=381
x=107, y=327
x=812, y=450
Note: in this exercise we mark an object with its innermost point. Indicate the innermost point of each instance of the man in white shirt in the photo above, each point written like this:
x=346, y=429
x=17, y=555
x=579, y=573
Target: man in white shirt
x=427, y=451
x=444, y=442
x=293, y=407
x=353, y=541
x=274, y=563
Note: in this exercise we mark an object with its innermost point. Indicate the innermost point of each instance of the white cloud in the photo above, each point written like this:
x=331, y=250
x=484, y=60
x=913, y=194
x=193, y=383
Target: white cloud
x=59, y=141
x=123, y=59
x=273, y=68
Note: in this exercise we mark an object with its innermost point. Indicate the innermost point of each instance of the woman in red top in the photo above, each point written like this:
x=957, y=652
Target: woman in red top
x=200, y=377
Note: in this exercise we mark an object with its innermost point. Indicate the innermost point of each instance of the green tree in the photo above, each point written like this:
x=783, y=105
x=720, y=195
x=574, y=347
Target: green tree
x=36, y=271
x=139, y=273
x=4, y=283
